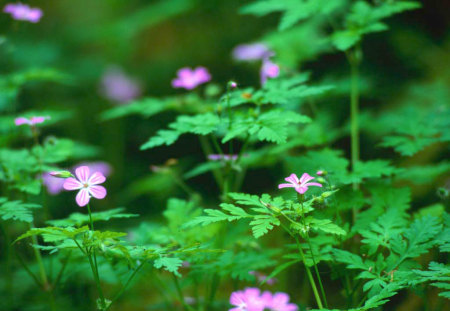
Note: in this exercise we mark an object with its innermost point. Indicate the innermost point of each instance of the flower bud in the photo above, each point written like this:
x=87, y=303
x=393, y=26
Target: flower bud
x=321, y=180
x=326, y=194
x=61, y=174
x=232, y=84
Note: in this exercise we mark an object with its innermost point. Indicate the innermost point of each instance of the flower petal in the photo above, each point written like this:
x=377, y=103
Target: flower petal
x=313, y=184
x=96, y=178
x=82, y=197
x=305, y=178
x=301, y=190
x=21, y=120
x=98, y=192
x=72, y=184
x=292, y=179
x=82, y=173
x=280, y=186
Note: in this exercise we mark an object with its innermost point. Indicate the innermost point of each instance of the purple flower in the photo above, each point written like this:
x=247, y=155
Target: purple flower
x=32, y=121
x=253, y=51
x=99, y=166
x=248, y=300
x=301, y=185
x=191, y=78
x=225, y=157
x=53, y=184
x=88, y=185
x=268, y=70
x=280, y=302
x=23, y=12
x=118, y=87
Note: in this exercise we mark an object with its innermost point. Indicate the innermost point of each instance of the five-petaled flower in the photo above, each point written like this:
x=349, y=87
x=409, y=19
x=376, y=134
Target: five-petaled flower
x=301, y=185
x=23, y=12
x=88, y=185
x=191, y=78
x=31, y=121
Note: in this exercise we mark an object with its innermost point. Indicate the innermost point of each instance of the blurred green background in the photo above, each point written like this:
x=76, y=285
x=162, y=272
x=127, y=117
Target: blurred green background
x=151, y=40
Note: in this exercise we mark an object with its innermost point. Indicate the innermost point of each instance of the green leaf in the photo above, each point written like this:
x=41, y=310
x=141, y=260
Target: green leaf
x=78, y=219
x=170, y=264
x=17, y=210
x=263, y=224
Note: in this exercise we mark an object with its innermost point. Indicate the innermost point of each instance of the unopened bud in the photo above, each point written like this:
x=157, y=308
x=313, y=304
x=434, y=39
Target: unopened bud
x=232, y=84
x=321, y=180
x=326, y=194
x=61, y=174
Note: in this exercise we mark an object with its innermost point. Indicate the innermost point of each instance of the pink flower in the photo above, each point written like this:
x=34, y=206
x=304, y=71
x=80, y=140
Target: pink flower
x=301, y=185
x=87, y=184
x=191, y=78
x=32, y=121
x=280, y=302
x=119, y=87
x=319, y=173
x=23, y=12
x=269, y=70
x=248, y=300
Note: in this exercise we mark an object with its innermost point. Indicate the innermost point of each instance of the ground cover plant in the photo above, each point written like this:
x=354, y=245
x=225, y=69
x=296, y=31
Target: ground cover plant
x=254, y=155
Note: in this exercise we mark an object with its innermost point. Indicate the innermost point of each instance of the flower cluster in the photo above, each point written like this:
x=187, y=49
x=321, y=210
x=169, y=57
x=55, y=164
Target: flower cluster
x=251, y=299
x=23, y=12
x=258, y=51
x=189, y=79
x=118, y=87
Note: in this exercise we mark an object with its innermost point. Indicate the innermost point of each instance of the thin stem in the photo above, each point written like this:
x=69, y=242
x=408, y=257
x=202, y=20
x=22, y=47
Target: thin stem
x=180, y=294
x=207, y=150
x=94, y=265
x=214, y=286
x=308, y=272
x=300, y=198
x=124, y=287
x=37, y=254
x=63, y=268
x=24, y=265
x=310, y=277
x=354, y=108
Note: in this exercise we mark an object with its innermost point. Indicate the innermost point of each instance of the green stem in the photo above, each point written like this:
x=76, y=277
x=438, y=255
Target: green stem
x=300, y=198
x=37, y=254
x=180, y=295
x=310, y=277
x=214, y=286
x=354, y=108
x=207, y=150
x=8, y=272
x=308, y=272
x=93, y=263
x=24, y=265
x=61, y=271
x=124, y=287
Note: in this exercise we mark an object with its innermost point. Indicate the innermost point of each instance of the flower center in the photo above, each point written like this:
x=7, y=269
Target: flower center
x=85, y=185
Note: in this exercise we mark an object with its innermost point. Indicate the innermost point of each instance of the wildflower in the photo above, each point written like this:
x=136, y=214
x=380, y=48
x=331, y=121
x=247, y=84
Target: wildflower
x=280, y=302
x=301, y=185
x=319, y=173
x=118, y=87
x=191, y=78
x=23, y=12
x=53, y=184
x=88, y=185
x=32, y=121
x=250, y=52
x=268, y=70
x=248, y=300
x=225, y=157
x=233, y=84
